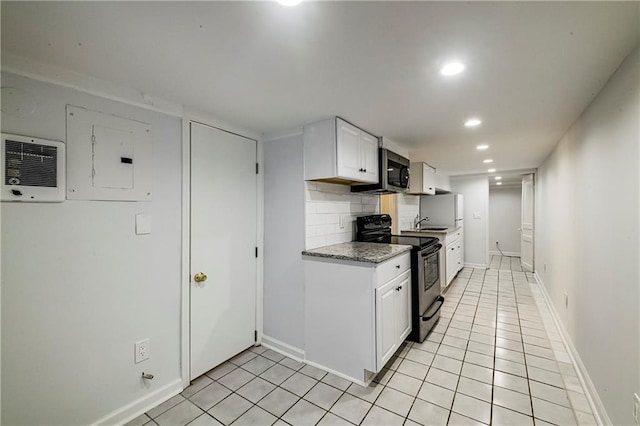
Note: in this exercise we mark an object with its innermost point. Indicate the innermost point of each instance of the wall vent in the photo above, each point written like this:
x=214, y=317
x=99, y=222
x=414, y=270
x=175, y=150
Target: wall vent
x=32, y=169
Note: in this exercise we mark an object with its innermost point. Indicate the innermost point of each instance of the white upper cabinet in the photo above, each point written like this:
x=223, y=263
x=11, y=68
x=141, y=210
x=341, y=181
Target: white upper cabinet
x=369, y=155
x=339, y=152
x=423, y=179
x=348, y=150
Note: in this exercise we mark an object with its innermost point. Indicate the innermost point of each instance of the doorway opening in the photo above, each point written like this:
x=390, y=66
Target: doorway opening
x=511, y=221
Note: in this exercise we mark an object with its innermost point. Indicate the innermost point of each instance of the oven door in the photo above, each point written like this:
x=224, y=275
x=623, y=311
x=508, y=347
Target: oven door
x=429, y=285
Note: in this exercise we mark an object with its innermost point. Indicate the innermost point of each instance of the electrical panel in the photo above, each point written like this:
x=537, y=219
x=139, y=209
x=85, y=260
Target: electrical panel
x=32, y=169
x=109, y=157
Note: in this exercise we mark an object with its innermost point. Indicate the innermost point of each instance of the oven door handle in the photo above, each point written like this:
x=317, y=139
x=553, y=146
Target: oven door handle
x=440, y=301
x=432, y=250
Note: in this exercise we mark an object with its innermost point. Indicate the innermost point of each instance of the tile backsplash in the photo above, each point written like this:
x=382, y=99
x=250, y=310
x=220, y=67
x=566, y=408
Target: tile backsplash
x=408, y=208
x=331, y=211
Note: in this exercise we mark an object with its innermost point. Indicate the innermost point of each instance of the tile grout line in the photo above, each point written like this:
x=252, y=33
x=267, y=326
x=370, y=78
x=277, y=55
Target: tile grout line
x=495, y=344
x=524, y=353
x=455, y=392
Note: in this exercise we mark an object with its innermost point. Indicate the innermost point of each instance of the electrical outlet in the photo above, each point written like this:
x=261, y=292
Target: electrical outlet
x=636, y=408
x=142, y=350
x=566, y=300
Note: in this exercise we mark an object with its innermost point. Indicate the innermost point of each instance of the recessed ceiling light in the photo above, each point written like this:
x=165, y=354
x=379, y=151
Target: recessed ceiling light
x=482, y=147
x=491, y=170
x=488, y=160
x=498, y=183
x=289, y=3
x=452, y=68
x=473, y=122
x=498, y=178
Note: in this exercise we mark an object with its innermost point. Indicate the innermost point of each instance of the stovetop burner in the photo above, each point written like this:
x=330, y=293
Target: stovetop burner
x=377, y=229
x=420, y=242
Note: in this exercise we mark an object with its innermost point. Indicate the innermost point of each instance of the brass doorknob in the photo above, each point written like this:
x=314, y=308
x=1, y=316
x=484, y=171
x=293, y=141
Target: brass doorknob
x=200, y=277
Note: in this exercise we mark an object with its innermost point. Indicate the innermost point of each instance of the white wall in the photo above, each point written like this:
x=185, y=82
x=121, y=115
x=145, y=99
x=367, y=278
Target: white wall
x=587, y=236
x=284, y=240
x=79, y=287
x=505, y=205
x=327, y=204
x=476, y=217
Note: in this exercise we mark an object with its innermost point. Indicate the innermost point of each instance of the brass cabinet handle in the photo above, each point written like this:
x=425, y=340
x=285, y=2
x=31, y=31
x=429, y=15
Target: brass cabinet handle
x=200, y=277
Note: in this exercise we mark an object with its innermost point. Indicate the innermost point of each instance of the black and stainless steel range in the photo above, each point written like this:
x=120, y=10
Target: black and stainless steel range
x=426, y=299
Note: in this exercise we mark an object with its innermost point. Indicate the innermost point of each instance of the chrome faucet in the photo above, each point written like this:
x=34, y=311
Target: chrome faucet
x=418, y=221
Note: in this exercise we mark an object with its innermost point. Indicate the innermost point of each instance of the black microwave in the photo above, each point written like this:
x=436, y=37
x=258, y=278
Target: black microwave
x=393, y=175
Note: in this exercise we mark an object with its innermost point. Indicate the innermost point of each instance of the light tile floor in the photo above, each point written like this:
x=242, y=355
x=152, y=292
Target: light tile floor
x=494, y=357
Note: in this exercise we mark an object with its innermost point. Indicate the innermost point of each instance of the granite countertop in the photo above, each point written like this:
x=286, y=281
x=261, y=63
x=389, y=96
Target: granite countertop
x=430, y=231
x=359, y=252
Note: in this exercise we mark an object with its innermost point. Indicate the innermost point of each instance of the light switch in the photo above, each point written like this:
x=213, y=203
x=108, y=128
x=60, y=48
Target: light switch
x=476, y=215
x=143, y=224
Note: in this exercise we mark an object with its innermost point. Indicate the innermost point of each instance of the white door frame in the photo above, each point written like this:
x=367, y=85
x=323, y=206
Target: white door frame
x=533, y=221
x=188, y=117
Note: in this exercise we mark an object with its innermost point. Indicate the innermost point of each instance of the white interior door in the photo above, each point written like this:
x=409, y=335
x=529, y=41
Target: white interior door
x=526, y=237
x=223, y=245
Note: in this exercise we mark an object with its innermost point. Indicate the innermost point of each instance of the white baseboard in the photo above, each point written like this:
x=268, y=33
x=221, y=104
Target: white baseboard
x=142, y=405
x=505, y=253
x=363, y=383
x=476, y=265
x=298, y=355
x=283, y=348
x=599, y=412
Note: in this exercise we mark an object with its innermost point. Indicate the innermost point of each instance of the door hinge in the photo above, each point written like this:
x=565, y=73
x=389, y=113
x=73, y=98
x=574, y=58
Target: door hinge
x=256, y=251
x=255, y=335
x=257, y=168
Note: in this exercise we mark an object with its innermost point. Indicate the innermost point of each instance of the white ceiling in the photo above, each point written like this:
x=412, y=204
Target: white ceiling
x=531, y=67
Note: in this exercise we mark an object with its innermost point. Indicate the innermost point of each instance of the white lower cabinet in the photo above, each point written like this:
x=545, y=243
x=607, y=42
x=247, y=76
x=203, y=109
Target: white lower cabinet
x=454, y=260
x=393, y=316
x=356, y=314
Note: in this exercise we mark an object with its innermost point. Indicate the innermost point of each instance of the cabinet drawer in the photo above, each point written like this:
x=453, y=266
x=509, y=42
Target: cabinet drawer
x=452, y=236
x=458, y=255
x=392, y=268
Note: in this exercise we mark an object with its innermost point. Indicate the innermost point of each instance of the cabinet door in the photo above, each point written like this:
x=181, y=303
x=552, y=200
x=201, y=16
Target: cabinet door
x=386, y=339
x=403, y=306
x=369, y=157
x=348, y=150
x=452, y=266
x=461, y=249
